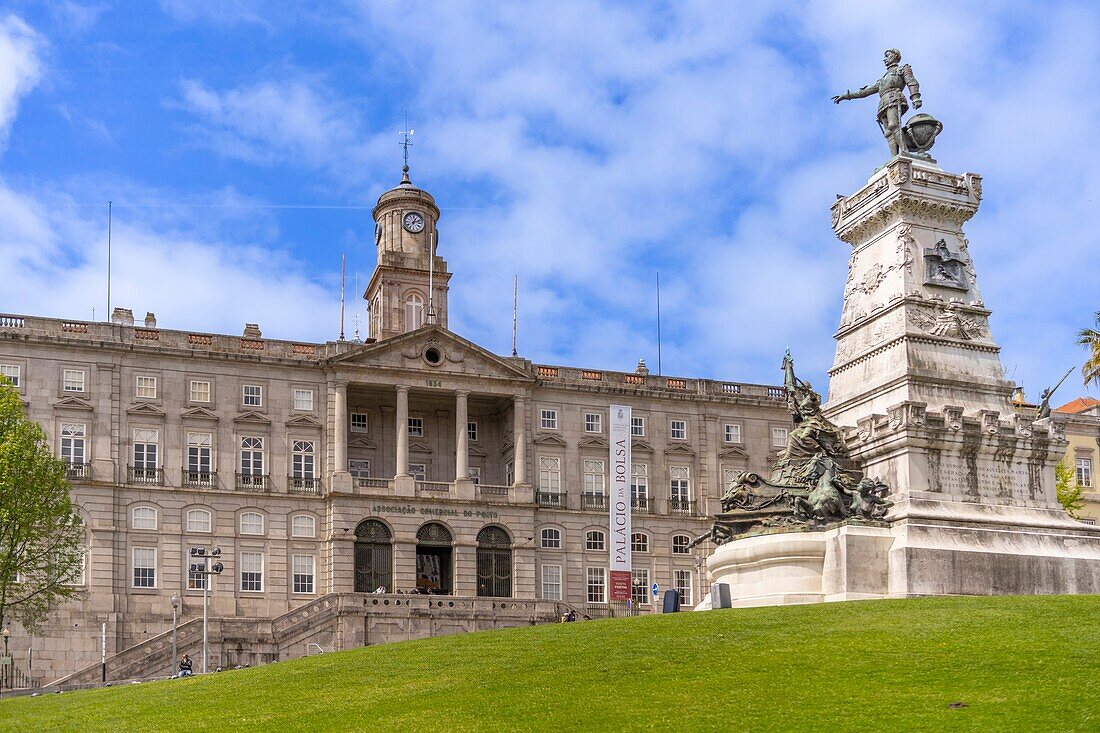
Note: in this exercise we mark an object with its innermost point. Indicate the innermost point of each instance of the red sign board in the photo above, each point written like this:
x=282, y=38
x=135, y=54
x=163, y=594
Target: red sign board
x=620, y=585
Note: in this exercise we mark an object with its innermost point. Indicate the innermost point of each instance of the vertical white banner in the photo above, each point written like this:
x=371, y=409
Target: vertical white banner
x=619, y=432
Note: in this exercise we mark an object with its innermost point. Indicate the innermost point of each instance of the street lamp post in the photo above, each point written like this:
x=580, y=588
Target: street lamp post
x=175, y=606
x=7, y=661
x=206, y=570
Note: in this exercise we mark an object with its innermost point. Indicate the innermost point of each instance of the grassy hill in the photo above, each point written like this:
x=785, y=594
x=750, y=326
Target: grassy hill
x=1018, y=663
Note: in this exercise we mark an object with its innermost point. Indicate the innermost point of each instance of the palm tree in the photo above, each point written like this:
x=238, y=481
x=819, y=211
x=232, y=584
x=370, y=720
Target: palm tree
x=1090, y=338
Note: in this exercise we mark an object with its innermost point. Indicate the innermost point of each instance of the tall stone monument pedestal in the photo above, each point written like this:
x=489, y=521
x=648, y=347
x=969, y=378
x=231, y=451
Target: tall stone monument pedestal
x=918, y=390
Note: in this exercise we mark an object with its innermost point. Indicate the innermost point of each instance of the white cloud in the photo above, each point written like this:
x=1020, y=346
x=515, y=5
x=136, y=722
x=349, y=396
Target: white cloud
x=20, y=68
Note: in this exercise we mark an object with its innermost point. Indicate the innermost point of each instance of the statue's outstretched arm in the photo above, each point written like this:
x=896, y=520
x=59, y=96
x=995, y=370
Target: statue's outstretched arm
x=858, y=94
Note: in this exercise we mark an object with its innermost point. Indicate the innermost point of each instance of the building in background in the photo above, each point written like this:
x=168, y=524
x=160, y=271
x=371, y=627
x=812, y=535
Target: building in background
x=1081, y=418
x=412, y=485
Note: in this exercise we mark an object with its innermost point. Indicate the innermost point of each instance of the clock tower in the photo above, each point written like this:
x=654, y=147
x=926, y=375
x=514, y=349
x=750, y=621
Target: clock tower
x=409, y=285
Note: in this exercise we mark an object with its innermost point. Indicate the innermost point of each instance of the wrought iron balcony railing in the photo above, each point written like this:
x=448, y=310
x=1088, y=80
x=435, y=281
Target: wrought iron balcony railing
x=641, y=504
x=254, y=481
x=677, y=505
x=593, y=501
x=302, y=485
x=200, y=479
x=78, y=470
x=552, y=499
x=148, y=476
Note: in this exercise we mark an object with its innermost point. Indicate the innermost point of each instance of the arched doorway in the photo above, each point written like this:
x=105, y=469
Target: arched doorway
x=434, y=559
x=373, y=557
x=494, y=563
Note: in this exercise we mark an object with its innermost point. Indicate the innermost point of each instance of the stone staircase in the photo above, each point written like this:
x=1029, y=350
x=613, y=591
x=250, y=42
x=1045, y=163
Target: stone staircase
x=152, y=657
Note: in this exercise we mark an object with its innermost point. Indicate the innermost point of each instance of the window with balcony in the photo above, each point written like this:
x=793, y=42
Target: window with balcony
x=145, y=469
x=474, y=473
x=639, y=486
x=596, y=540
x=679, y=489
x=252, y=463
x=199, y=470
x=593, y=496
x=359, y=468
x=419, y=471
x=72, y=449
x=302, y=465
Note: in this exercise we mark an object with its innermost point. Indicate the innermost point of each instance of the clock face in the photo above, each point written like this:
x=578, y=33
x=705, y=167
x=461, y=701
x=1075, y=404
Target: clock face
x=413, y=222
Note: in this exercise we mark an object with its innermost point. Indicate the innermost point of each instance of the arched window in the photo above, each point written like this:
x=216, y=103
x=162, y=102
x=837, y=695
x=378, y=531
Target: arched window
x=303, y=525
x=494, y=563
x=434, y=559
x=594, y=540
x=199, y=520
x=551, y=538
x=252, y=523
x=143, y=517
x=680, y=544
x=639, y=542
x=373, y=557
x=414, y=311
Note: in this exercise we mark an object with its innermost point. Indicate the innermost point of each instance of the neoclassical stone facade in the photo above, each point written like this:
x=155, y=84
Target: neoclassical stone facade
x=470, y=488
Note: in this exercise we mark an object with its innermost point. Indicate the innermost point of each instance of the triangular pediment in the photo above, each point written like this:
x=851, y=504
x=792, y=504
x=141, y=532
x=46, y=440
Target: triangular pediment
x=547, y=439
x=199, y=413
x=361, y=443
x=304, y=421
x=641, y=445
x=476, y=451
x=506, y=447
x=733, y=452
x=679, y=450
x=72, y=403
x=252, y=417
x=418, y=446
x=144, y=409
x=593, y=443
x=455, y=355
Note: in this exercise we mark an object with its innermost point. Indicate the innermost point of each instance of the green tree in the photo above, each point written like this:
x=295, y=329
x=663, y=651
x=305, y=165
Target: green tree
x=1090, y=339
x=1070, y=495
x=41, y=551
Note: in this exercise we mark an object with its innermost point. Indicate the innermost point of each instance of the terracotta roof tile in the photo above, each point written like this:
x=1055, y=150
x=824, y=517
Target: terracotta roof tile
x=1078, y=405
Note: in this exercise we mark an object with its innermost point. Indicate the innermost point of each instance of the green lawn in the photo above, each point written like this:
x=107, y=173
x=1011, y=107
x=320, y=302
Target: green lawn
x=1019, y=663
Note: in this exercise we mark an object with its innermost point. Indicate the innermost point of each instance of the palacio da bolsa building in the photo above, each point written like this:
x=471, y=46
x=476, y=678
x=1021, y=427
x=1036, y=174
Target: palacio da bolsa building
x=411, y=485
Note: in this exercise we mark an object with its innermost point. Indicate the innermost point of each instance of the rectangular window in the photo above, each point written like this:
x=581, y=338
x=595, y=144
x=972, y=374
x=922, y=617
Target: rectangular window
x=303, y=573
x=358, y=422
x=145, y=387
x=779, y=437
x=597, y=585
x=252, y=572
x=11, y=373
x=416, y=427
x=471, y=432
x=200, y=391
x=733, y=433
x=196, y=577
x=72, y=380
x=72, y=443
x=475, y=474
x=677, y=429
x=639, y=586
x=683, y=583
x=418, y=471
x=1084, y=472
x=509, y=474
x=303, y=399
x=252, y=395
x=145, y=567
x=252, y=456
x=593, y=422
x=637, y=427
x=199, y=457
x=548, y=419
x=302, y=459
x=359, y=468
x=551, y=582
x=550, y=475
x=146, y=441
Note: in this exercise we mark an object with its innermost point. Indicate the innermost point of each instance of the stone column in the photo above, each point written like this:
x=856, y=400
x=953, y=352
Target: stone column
x=462, y=436
x=402, y=430
x=519, y=441
x=340, y=428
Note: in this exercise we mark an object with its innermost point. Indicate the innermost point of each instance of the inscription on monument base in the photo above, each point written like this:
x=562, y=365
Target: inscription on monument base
x=960, y=476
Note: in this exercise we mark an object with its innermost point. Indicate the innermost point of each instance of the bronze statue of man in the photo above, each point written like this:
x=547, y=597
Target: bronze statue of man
x=891, y=103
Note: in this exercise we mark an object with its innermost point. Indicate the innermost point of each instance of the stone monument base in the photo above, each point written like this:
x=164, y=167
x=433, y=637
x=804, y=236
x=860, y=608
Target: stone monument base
x=908, y=558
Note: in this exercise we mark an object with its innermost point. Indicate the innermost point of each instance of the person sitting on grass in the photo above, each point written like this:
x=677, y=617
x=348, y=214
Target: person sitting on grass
x=185, y=667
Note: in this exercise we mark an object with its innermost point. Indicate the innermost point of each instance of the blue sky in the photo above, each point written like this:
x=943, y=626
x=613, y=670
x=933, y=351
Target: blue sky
x=580, y=145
